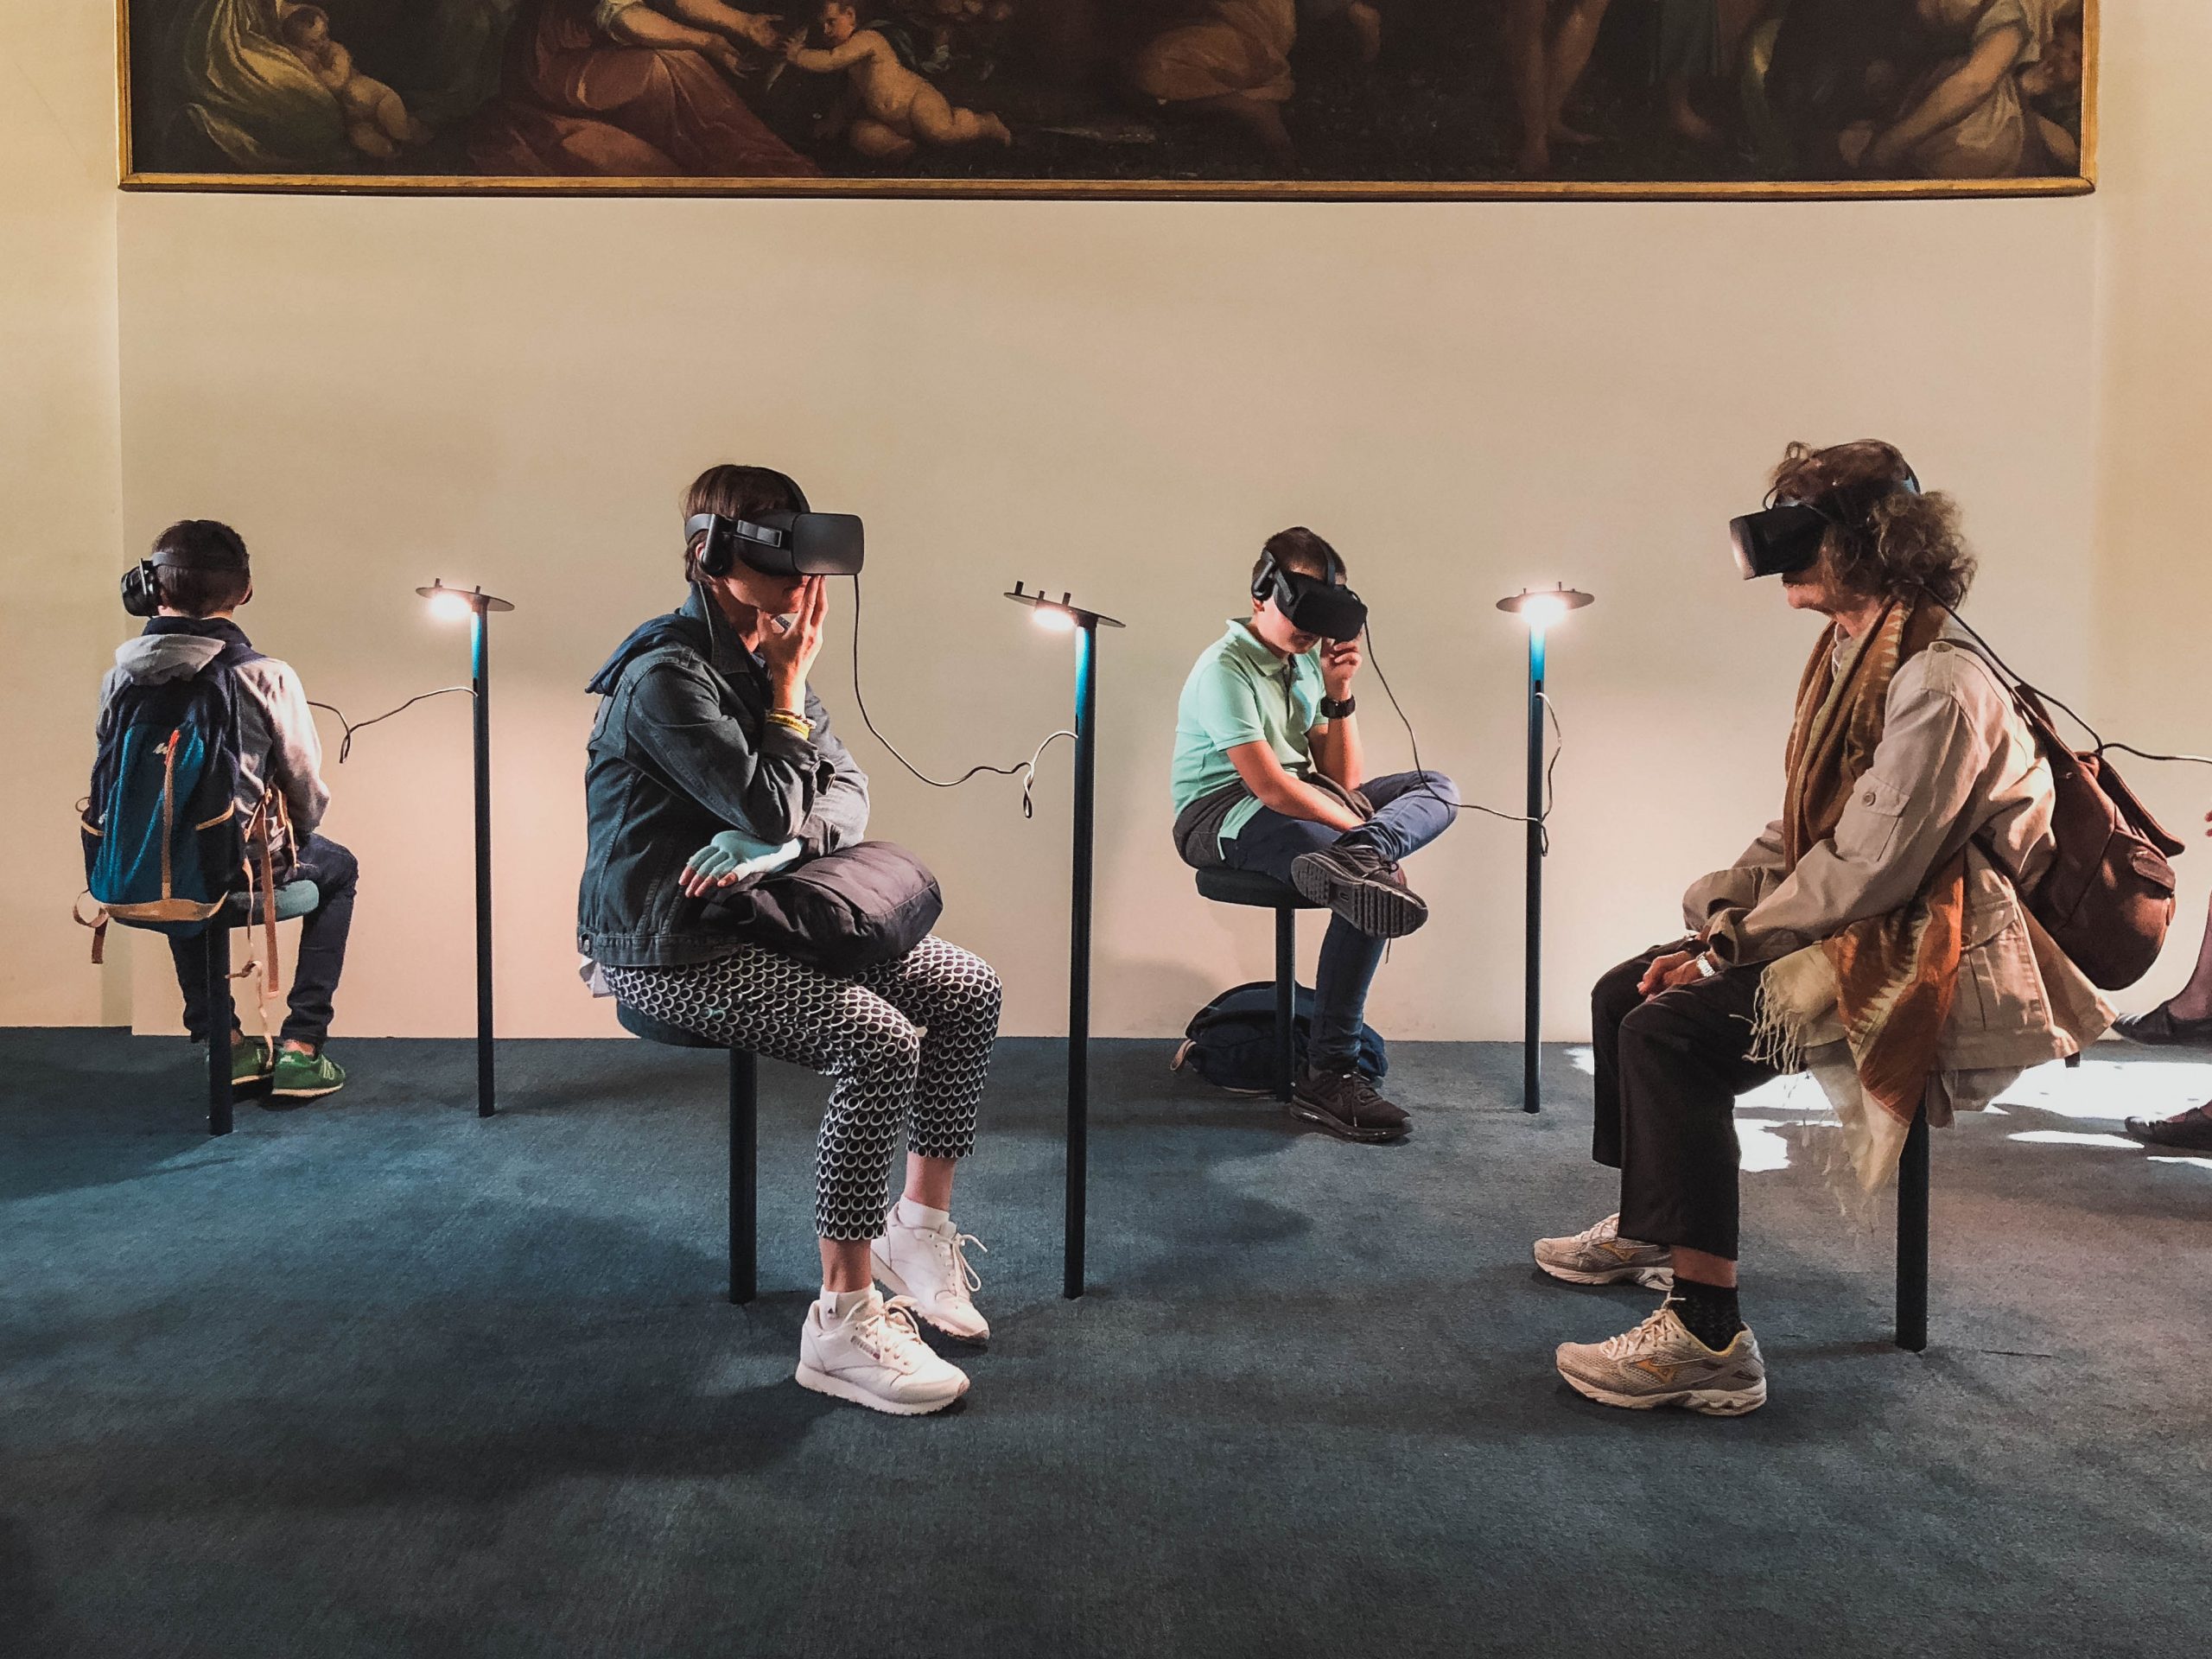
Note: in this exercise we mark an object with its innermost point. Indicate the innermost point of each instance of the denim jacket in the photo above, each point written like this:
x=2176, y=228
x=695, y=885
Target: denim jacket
x=682, y=750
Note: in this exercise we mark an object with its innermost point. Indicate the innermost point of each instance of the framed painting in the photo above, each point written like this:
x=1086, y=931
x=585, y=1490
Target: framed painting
x=1318, y=99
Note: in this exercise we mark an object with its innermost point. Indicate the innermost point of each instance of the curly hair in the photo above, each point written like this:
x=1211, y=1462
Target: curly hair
x=1882, y=540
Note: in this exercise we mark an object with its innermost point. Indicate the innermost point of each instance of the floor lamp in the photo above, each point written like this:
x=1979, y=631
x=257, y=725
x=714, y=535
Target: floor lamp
x=451, y=604
x=1540, y=608
x=1062, y=615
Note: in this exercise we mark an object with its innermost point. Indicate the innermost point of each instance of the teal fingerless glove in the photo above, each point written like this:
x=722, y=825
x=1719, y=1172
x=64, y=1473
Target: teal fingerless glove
x=733, y=855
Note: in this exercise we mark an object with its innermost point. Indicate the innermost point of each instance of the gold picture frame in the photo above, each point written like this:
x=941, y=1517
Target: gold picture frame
x=131, y=176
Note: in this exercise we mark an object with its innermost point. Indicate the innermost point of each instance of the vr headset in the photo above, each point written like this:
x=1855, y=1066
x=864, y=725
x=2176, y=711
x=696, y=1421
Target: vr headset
x=142, y=588
x=1784, y=536
x=1313, y=604
x=796, y=543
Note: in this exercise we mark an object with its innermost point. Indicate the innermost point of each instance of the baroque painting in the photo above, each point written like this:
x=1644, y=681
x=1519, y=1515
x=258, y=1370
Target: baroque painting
x=1404, y=98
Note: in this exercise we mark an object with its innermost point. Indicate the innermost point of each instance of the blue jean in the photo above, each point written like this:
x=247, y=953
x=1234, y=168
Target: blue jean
x=1411, y=809
x=322, y=949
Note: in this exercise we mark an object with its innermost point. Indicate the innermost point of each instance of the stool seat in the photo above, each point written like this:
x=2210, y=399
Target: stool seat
x=293, y=899
x=1248, y=887
x=659, y=1031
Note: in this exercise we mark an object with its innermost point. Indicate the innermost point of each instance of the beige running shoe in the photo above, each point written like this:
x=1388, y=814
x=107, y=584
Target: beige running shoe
x=1599, y=1255
x=1661, y=1363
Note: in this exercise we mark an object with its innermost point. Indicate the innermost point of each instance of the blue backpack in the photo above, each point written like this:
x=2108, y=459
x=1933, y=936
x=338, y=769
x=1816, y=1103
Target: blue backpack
x=1231, y=1042
x=163, y=843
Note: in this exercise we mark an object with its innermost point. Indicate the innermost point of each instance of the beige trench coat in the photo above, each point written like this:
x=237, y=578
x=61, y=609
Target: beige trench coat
x=1956, y=762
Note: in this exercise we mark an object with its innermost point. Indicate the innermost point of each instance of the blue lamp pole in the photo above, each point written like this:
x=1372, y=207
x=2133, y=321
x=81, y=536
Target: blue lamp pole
x=477, y=606
x=1064, y=616
x=1540, y=608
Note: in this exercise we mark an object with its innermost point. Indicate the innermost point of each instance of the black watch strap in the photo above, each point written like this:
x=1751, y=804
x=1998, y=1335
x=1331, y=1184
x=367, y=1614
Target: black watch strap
x=1332, y=710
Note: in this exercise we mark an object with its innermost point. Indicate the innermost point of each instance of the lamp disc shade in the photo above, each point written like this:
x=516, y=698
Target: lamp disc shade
x=474, y=598
x=1556, y=600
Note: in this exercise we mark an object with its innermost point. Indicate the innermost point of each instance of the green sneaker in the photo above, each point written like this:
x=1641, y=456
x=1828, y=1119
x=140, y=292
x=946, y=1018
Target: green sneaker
x=304, y=1077
x=249, y=1062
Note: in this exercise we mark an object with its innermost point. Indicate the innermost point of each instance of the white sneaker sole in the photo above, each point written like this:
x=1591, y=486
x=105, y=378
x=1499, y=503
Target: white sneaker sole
x=1711, y=1402
x=821, y=1382
x=1649, y=1278
x=898, y=1287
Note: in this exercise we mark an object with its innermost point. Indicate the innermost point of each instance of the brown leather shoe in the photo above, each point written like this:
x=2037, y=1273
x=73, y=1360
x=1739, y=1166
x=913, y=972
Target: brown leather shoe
x=2189, y=1131
x=2161, y=1030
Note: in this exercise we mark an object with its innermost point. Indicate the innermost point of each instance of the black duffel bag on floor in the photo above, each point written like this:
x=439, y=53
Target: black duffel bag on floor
x=1231, y=1042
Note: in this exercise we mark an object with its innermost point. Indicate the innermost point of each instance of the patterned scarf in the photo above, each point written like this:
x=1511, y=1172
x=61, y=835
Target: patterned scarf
x=1889, y=980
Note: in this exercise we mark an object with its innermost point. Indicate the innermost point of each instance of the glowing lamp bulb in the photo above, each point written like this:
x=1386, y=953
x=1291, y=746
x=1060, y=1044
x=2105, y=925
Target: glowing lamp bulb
x=1541, y=610
x=1054, y=621
x=449, y=605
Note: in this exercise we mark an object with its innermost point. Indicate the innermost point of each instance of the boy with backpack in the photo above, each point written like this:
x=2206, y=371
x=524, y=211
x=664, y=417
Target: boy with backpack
x=1269, y=777
x=190, y=714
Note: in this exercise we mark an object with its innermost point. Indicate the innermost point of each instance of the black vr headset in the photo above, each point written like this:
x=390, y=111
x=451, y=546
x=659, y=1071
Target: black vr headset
x=1313, y=604
x=795, y=543
x=142, y=588
x=1784, y=536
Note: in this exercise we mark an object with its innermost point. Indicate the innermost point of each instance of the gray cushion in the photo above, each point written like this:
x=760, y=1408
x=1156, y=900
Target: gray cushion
x=294, y=899
x=659, y=1031
x=1244, y=887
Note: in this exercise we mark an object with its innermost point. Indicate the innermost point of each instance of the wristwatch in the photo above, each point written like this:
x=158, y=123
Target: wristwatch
x=1332, y=710
x=1704, y=968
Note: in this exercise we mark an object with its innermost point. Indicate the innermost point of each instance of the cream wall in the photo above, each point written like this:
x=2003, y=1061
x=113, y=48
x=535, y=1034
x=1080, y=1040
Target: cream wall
x=2154, y=330
x=59, y=489
x=1121, y=398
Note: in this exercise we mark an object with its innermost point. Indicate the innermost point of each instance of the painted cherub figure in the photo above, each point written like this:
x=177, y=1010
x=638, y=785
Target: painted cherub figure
x=899, y=110
x=377, y=121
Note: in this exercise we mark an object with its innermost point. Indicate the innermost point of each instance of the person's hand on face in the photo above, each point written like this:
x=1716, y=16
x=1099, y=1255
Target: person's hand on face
x=790, y=644
x=1340, y=660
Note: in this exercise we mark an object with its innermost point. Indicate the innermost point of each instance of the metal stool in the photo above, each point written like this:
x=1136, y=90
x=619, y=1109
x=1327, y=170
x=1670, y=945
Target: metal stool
x=744, y=1142
x=294, y=899
x=1265, y=892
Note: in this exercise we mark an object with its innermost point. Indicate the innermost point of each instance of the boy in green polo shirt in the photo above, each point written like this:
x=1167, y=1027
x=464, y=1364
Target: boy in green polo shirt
x=1269, y=777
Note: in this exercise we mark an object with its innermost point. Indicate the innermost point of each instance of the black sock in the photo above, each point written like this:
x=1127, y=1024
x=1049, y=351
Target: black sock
x=1708, y=1311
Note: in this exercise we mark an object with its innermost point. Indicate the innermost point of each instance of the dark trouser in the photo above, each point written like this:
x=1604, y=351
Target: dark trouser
x=1669, y=1068
x=1411, y=809
x=322, y=952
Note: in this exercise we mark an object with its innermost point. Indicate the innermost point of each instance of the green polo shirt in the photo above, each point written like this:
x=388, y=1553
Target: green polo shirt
x=1240, y=692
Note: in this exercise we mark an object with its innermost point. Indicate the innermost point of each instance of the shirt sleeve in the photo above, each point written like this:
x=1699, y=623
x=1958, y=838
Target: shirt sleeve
x=769, y=786
x=1906, y=812
x=1227, y=710
x=1743, y=884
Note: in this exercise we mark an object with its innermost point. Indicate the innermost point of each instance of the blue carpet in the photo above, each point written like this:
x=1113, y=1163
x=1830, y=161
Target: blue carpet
x=373, y=1376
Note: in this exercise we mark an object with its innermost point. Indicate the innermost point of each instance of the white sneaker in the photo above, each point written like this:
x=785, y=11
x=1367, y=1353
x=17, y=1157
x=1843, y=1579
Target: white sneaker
x=874, y=1356
x=929, y=1266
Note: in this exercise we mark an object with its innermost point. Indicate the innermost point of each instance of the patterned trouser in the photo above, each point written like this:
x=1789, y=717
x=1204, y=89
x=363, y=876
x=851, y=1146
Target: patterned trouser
x=907, y=1047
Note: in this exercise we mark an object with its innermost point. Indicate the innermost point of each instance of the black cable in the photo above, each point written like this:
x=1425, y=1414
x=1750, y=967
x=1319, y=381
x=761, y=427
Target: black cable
x=346, y=743
x=1027, y=773
x=2018, y=678
x=1559, y=748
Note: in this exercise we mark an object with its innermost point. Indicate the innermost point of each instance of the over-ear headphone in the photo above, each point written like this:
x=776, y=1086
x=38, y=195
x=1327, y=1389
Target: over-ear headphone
x=142, y=586
x=1272, y=581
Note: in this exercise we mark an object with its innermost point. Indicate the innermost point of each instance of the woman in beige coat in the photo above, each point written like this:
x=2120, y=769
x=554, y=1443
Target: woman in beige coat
x=1872, y=935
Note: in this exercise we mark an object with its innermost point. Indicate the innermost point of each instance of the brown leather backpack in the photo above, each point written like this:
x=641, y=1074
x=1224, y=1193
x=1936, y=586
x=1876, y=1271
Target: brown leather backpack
x=2109, y=896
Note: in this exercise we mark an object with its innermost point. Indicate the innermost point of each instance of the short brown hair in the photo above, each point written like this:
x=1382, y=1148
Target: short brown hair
x=734, y=492
x=211, y=573
x=1882, y=541
x=1300, y=552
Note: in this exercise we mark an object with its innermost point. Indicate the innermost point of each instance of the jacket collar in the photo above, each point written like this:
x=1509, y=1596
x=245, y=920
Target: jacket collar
x=202, y=627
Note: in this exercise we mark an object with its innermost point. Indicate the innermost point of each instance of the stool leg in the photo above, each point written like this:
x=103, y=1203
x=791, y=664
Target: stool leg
x=1286, y=1001
x=218, y=941
x=1912, y=1237
x=744, y=1174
